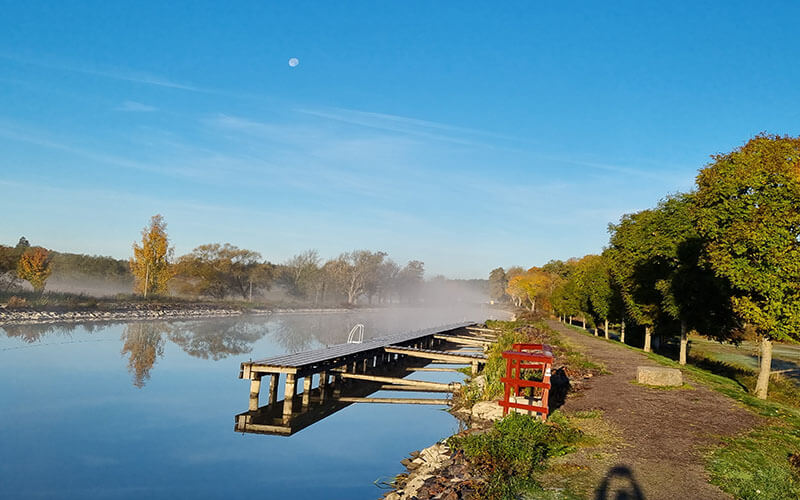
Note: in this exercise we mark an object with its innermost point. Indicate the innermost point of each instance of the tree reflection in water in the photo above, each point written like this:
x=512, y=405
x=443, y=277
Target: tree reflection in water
x=217, y=339
x=30, y=333
x=297, y=333
x=144, y=343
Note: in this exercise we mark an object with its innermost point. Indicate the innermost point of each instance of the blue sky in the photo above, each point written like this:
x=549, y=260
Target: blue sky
x=467, y=135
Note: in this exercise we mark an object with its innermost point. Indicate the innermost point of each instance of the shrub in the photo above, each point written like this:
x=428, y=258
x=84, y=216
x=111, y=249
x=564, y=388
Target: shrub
x=16, y=302
x=514, y=449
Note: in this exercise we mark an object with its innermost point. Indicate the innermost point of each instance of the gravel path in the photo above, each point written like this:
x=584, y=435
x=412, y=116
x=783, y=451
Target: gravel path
x=663, y=432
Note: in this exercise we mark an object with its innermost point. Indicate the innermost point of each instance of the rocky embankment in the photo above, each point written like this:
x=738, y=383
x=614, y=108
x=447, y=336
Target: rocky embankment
x=120, y=313
x=437, y=472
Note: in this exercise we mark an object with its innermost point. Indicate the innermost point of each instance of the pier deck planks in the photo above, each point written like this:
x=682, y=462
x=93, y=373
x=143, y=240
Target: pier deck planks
x=301, y=361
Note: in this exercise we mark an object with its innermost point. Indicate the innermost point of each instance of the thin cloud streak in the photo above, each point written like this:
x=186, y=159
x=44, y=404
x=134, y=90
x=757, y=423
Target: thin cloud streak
x=135, y=107
x=114, y=74
x=423, y=128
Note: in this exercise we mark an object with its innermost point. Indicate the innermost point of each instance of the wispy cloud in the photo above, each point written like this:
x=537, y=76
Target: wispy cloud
x=122, y=74
x=404, y=125
x=135, y=107
x=476, y=138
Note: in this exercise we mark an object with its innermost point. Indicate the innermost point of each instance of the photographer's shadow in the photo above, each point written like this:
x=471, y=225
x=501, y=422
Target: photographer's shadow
x=619, y=484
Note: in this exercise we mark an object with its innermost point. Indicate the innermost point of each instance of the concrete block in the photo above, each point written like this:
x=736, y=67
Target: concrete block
x=657, y=375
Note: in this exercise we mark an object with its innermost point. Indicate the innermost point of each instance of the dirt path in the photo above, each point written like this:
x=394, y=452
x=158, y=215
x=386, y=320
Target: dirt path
x=662, y=432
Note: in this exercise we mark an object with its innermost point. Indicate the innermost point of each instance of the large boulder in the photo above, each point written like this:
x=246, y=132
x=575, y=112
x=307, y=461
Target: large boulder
x=659, y=376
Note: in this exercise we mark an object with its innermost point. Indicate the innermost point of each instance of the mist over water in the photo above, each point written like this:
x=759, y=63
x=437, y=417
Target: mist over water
x=96, y=287
x=145, y=409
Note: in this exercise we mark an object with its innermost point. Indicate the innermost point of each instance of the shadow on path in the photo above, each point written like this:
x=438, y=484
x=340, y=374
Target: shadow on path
x=620, y=483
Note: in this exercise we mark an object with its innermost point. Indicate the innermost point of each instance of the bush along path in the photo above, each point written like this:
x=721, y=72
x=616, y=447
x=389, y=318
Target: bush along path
x=708, y=439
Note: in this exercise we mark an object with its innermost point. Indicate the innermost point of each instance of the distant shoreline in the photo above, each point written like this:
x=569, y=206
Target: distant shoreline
x=159, y=312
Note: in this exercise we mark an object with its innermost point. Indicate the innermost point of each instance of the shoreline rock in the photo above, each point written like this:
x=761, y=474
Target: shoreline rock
x=434, y=473
x=137, y=312
x=40, y=317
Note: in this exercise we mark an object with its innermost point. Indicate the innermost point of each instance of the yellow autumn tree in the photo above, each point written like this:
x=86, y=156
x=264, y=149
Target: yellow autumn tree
x=151, y=264
x=34, y=266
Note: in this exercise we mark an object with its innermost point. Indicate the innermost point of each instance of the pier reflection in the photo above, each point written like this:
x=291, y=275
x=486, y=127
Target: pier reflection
x=321, y=403
x=331, y=394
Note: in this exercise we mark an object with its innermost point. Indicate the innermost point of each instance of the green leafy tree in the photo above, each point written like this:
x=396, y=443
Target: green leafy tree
x=9, y=257
x=747, y=210
x=497, y=284
x=566, y=299
x=634, y=270
x=219, y=271
x=593, y=278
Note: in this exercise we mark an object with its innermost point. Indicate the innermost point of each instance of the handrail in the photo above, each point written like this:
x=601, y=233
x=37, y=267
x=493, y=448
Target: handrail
x=358, y=329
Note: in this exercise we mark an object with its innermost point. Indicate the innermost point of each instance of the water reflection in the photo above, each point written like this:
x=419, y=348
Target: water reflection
x=133, y=448
x=144, y=344
x=217, y=339
x=31, y=333
x=331, y=394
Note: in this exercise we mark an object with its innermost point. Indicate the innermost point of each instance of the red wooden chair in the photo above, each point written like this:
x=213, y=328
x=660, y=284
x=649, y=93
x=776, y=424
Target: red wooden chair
x=537, y=357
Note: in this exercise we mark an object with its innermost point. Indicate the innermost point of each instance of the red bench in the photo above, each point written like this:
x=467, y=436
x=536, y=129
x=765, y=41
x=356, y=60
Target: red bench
x=538, y=357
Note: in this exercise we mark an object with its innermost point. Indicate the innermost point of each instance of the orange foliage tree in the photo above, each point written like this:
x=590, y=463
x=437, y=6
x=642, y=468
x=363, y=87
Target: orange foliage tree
x=151, y=264
x=34, y=266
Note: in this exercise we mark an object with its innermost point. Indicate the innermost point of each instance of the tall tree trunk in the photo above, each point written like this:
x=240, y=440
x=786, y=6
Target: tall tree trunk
x=647, y=339
x=570, y=320
x=583, y=322
x=762, y=385
x=684, y=343
x=622, y=332
x=595, y=331
x=605, y=330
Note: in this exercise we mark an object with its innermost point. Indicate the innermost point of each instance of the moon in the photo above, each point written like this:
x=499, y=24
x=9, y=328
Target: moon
x=294, y=62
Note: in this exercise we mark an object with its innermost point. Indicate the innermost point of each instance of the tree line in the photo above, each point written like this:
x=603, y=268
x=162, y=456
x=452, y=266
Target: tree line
x=718, y=260
x=36, y=264
x=224, y=271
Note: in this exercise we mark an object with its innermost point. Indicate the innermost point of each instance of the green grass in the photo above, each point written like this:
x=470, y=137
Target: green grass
x=513, y=450
x=756, y=464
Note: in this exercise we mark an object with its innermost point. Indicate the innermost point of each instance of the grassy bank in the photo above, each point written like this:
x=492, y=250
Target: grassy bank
x=762, y=463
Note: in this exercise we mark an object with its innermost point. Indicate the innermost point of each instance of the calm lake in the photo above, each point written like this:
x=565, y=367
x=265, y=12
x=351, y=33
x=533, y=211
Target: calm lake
x=146, y=410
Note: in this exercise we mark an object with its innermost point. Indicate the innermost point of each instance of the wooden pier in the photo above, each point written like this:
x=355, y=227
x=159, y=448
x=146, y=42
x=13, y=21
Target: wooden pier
x=347, y=373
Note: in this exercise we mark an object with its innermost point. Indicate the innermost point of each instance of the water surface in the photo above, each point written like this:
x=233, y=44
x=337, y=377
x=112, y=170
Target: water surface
x=146, y=409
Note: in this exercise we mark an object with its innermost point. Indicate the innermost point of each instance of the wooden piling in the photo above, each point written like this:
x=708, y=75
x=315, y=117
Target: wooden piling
x=255, y=389
x=307, y=380
x=288, y=396
x=273, y=387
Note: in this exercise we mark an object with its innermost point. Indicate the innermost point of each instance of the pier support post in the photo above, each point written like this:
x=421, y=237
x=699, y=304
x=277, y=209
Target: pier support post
x=323, y=385
x=288, y=396
x=255, y=389
x=474, y=368
x=273, y=388
x=307, y=380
